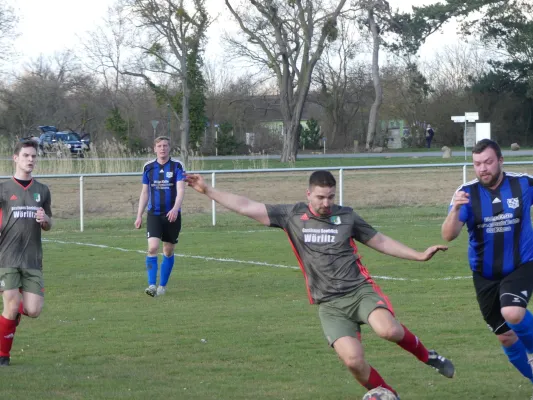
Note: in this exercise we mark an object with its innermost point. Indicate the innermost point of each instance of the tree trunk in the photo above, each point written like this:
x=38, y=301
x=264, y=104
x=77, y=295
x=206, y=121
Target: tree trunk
x=185, y=121
x=374, y=110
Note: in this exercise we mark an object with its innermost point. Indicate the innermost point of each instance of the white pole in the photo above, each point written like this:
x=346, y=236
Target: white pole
x=213, y=204
x=216, y=144
x=464, y=174
x=341, y=184
x=81, y=203
x=324, y=145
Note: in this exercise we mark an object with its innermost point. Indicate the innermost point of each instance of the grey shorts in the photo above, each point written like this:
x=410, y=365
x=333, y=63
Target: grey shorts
x=29, y=280
x=344, y=315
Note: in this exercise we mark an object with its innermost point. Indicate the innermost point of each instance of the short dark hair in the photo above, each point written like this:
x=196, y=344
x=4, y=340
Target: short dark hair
x=25, y=143
x=484, y=144
x=322, y=179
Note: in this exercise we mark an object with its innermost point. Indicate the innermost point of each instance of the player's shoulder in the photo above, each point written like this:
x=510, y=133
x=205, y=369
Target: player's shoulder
x=467, y=186
x=177, y=163
x=149, y=164
x=39, y=185
x=518, y=175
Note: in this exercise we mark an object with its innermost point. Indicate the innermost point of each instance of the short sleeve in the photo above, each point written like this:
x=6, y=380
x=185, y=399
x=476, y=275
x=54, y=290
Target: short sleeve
x=146, y=179
x=179, y=172
x=362, y=231
x=279, y=214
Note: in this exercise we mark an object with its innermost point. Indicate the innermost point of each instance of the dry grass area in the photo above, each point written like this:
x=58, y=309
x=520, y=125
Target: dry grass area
x=118, y=196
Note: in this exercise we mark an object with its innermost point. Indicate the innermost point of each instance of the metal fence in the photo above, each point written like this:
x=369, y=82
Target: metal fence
x=213, y=173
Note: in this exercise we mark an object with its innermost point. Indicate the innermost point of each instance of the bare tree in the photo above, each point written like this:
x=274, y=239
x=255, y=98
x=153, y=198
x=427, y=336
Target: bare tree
x=286, y=38
x=169, y=30
x=341, y=84
x=8, y=32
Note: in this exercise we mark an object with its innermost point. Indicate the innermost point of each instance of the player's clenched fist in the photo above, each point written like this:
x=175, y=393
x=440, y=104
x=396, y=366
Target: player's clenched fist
x=459, y=199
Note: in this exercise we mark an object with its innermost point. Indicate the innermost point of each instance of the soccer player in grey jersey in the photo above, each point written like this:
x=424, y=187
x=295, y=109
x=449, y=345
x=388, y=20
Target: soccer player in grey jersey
x=25, y=210
x=322, y=236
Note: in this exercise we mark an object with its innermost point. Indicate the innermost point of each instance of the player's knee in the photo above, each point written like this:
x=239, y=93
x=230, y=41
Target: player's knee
x=33, y=311
x=354, y=362
x=391, y=332
x=507, y=339
x=513, y=315
x=152, y=251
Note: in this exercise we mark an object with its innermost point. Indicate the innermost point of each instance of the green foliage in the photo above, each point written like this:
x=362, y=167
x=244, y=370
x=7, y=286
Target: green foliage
x=117, y=125
x=197, y=87
x=310, y=136
x=225, y=142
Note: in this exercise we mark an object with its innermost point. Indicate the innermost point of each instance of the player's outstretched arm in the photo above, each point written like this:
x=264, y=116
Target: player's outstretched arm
x=240, y=204
x=143, y=201
x=391, y=247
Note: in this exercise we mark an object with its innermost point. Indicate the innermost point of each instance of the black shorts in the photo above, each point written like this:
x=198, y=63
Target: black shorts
x=513, y=290
x=160, y=227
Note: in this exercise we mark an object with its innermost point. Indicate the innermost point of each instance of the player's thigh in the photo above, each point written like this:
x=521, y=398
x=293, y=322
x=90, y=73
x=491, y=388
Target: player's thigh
x=488, y=298
x=33, y=303
x=369, y=297
x=171, y=230
x=516, y=288
x=335, y=321
x=32, y=281
x=154, y=226
x=10, y=278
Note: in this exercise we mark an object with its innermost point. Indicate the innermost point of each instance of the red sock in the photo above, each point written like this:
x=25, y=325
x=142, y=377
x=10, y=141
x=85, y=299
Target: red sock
x=414, y=346
x=375, y=380
x=7, y=333
x=21, y=309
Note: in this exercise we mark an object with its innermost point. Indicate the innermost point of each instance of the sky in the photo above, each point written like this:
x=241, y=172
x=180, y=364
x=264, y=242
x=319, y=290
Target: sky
x=55, y=25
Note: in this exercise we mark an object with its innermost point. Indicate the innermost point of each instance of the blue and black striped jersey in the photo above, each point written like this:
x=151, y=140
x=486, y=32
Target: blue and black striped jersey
x=161, y=181
x=499, y=225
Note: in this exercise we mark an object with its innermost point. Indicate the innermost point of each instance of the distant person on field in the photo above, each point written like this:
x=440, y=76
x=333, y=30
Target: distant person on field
x=322, y=235
x=496, y=208
x=25, y=210
x=429, y=135
x=163, y=188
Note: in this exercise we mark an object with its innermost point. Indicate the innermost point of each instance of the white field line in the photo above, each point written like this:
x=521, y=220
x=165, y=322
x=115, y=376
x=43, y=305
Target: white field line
x=231, y=260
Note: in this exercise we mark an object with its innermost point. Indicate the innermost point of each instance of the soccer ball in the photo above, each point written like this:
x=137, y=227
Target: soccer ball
x=379, y=394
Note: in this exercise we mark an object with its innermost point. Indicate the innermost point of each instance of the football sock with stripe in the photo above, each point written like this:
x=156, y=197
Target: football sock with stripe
x=7, y=333
x=517, y=355
x=375, y=380
x=166, y=269
x=524, y=330
x=413, y=345
x=151, y=269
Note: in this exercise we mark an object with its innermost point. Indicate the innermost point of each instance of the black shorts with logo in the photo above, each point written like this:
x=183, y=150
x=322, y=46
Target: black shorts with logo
x=160, y=227
x=513, y=290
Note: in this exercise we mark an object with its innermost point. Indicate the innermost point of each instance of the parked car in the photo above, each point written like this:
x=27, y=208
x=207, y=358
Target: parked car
x=61, y=143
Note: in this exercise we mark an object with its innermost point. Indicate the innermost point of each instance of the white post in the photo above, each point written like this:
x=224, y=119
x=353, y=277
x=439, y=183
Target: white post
x=213, y=203
x=216, y=142
x=81, y=203
x=341, y=184
x=324, y=145
x=464, y=174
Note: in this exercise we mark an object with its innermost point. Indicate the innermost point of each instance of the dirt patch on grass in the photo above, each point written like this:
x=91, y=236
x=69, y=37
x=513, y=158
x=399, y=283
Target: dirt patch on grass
x=118, y=196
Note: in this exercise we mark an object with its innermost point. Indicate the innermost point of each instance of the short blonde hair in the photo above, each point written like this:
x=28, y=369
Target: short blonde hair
x=160, y=139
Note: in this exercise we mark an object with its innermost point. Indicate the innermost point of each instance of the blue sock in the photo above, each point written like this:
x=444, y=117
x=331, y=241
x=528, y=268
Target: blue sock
x=166, y=269
x=524, y=331
x=517, y=355
x=151, y=269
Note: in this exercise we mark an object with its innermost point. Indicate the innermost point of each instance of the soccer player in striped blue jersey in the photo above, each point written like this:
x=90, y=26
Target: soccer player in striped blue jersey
x=163, y=188
x=496, y=210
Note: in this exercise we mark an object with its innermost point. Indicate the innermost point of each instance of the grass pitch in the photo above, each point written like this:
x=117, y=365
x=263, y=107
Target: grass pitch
x=231, y=328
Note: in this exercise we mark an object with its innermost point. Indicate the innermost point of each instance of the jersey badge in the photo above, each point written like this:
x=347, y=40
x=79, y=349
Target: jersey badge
x=513, y=203
x=335, y=220
x=37, y=197
x=170, y=174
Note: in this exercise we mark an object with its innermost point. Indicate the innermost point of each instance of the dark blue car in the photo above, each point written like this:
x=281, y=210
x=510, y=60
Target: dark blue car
x=59, y=143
